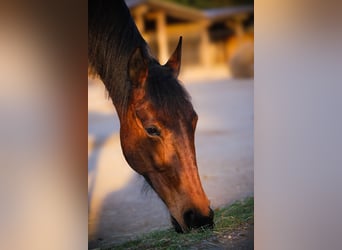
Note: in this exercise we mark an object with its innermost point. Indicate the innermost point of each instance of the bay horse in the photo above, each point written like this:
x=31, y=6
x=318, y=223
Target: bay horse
x=157, y=119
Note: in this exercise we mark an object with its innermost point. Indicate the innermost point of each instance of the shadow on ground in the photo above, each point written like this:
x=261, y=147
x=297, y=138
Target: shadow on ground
x=143, y=204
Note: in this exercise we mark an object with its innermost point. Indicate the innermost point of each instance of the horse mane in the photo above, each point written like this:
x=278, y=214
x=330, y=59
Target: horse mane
x=112, y=37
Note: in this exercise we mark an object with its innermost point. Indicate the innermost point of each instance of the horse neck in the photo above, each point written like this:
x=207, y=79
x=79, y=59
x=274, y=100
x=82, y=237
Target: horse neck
x=112, y=38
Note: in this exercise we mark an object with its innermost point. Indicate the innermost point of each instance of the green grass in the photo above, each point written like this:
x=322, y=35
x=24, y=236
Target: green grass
x=234, y=216
x=226, y=219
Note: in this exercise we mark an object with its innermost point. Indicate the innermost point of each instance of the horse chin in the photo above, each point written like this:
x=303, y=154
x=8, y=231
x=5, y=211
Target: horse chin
x=176, y=226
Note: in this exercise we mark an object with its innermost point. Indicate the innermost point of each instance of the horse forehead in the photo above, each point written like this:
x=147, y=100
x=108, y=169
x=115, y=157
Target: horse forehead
x=177, y=120
x=167, y=98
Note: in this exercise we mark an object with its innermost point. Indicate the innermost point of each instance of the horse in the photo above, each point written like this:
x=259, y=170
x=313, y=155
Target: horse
x=157, y=118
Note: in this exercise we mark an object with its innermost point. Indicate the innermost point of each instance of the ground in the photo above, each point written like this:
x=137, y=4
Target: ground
x=118, y=209
x=242, y=239
x=234, y=228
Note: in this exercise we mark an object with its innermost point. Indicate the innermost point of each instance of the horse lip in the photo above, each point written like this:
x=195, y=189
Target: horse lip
x=178, y=227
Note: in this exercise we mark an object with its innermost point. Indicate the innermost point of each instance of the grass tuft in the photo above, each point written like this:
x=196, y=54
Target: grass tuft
x=228, y=219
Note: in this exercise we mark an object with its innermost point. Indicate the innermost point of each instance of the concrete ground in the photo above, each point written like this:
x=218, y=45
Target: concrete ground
x=119, y=209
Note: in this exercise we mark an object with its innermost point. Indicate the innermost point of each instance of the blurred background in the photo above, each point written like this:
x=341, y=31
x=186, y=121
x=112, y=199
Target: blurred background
x=218, y=35
x=217, y=70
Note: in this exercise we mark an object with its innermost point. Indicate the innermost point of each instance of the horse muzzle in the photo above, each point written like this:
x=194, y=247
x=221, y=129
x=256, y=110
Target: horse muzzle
x=192, y=219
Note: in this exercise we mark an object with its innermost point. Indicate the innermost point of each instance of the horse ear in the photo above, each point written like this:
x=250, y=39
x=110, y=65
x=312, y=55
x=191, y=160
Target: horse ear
x=174, y=62
x=137, y=68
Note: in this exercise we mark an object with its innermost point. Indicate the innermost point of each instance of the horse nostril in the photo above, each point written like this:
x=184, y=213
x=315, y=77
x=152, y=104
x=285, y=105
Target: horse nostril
x=195, y=220
x=189, y=218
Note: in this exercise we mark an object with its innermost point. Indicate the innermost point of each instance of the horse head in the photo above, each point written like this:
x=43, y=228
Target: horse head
x=157, y=138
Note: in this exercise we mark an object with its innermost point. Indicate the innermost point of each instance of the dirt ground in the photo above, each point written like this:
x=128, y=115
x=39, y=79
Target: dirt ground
x=242, y=239
x=119, y=210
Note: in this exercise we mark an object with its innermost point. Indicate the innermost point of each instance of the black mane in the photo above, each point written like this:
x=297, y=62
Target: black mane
x=112, y=38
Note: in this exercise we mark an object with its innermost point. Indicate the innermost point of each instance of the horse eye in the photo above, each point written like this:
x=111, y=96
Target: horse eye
x=153, y=131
